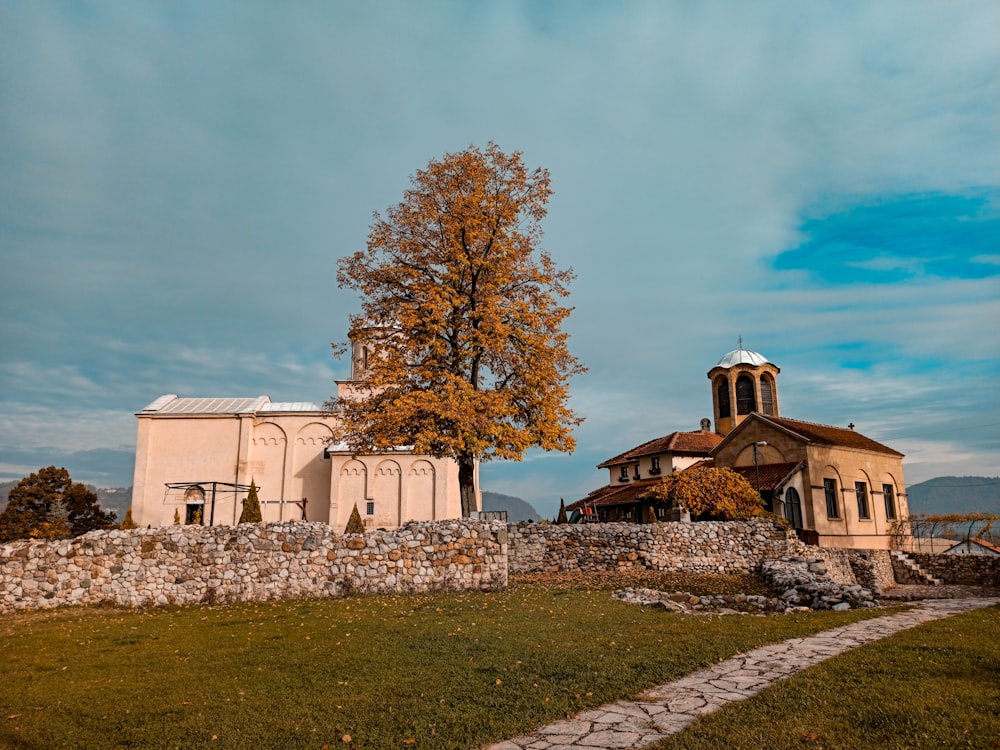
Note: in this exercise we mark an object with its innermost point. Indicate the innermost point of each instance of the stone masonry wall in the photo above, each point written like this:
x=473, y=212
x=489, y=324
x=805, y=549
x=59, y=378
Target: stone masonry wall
x=250, y=562
x=965, y=570
x=872, y=569
x=703, y=547
x=261, y=562
x=706, y=547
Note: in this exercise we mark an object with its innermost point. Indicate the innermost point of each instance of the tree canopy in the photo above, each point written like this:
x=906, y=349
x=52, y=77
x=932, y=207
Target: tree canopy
x=463, y=309
x=49, y=505
x=709, y=491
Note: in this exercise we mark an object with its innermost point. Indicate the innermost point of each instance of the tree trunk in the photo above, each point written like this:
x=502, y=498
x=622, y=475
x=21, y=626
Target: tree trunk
x=467, y=484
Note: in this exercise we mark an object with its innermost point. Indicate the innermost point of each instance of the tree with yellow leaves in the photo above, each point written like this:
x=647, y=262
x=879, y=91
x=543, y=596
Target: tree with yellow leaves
x=708, y=491
x=464, y=311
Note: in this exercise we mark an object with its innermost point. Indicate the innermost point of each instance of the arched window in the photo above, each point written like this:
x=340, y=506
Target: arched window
x=767, y=395
x=793, y=508
x=722, y=389
x=746, y=399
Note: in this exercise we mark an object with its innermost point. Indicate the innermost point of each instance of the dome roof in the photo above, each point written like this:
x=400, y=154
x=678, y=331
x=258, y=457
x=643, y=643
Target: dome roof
x=742, y=357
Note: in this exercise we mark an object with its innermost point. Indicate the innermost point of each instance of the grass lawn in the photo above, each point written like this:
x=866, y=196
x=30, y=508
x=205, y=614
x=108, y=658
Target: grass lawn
x=443, y=671
x=934, y=686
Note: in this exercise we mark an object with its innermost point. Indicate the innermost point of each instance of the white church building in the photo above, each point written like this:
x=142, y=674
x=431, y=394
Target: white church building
x=196, y=457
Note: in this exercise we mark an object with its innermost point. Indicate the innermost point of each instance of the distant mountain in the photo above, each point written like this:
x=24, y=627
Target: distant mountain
x=116, y=499
x=943, y=495
x=517, y=509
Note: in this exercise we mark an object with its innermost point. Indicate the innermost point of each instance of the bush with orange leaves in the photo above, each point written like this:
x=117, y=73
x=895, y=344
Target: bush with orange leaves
x=710, y=493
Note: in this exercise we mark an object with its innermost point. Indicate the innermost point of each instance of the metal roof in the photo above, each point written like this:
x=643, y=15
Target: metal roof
x=742, y=357
x=172, y=404
x=290, y=406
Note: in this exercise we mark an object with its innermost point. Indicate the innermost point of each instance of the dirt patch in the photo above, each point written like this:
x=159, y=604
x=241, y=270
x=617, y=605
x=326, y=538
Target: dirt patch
x=908, y=593
x=699, y=584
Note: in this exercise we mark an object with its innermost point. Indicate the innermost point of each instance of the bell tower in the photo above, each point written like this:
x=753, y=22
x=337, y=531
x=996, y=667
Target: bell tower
x=743, y=382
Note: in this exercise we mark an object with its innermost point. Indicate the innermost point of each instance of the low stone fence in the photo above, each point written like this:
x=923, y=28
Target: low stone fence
x=871, y=569
x=963, y=570
x=250, y=562
x=261, y=562
x=704, y=547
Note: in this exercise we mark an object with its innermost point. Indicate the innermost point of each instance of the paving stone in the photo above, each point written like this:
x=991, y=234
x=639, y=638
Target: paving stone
x=610, y=740
x=571, y=727
x=672, y=723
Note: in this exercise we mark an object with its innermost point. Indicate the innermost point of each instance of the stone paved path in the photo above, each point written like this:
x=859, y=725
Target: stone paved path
x=669, y=708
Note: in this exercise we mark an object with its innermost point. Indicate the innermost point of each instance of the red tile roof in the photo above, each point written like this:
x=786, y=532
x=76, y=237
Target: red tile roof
x=771, y=475
x=828, y=435
x=623, y=494
x=976, y=540
x=697, y=443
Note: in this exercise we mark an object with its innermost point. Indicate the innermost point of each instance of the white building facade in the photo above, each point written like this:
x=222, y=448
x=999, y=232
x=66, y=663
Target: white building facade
x=196, y=457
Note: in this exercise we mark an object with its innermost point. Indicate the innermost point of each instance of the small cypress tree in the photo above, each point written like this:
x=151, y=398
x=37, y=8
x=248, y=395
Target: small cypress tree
x=354, y=523
x=561, y=518
x=127, y=522
x=251, y=506
x=177, y=517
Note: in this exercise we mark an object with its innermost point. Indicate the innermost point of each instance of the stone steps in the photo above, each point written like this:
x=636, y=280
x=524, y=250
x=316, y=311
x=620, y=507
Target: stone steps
x=908, y=571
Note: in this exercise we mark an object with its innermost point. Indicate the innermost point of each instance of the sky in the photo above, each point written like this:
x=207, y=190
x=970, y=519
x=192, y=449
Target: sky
x=178, y=180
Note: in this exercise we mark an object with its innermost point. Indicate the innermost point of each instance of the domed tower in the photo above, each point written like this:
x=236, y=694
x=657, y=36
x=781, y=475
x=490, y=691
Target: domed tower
x=743, y=382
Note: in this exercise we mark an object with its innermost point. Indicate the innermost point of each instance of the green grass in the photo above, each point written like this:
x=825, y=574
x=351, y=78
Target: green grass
x=935, y=686
x=445, y=671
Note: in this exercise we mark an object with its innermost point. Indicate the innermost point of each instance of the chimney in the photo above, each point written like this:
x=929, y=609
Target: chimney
x=706, y=425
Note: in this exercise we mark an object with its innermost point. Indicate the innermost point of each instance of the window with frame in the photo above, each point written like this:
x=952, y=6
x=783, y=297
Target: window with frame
x=746, y=399
x=767, y=395
x=370, y=508
x=636, y=474
x=623, y=474
x=889, y=495
x=722, y=389
x=861, y=490
x=793, y=508
x=830, y=491
x=654, y=465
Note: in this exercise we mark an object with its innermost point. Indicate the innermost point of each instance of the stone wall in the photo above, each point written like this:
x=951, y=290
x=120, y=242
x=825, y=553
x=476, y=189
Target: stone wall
x=250, y=562
x=966, y=570
x=706, y=547
x=872, y=569
x=261, y=562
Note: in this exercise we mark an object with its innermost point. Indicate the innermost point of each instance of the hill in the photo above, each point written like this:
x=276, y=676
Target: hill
x=517, y=509
x=943, y=495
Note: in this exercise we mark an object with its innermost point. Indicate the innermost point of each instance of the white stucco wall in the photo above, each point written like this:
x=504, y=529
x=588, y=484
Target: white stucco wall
x=286, y=455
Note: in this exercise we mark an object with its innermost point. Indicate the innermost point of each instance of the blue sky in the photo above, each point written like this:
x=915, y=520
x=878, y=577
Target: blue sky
x=178, y=179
